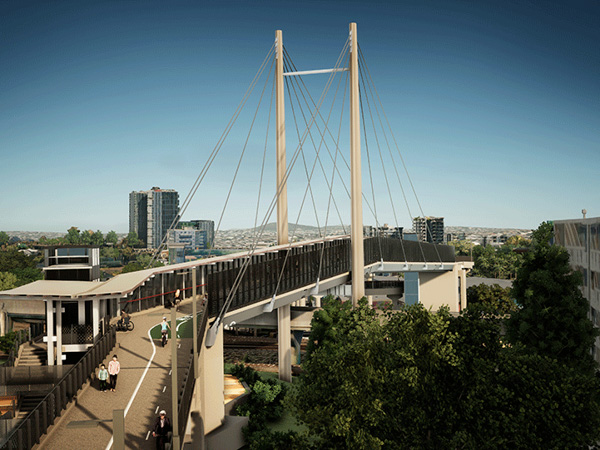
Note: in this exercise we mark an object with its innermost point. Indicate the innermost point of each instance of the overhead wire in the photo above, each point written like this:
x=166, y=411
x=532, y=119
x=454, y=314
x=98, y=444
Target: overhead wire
x=268, y=213
x=214, y=153
x=399, y=153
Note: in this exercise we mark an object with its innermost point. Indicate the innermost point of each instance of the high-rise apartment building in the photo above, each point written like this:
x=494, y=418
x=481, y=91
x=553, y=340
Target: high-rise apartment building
x=429, y=229
x=581, y=238
x=151, y=213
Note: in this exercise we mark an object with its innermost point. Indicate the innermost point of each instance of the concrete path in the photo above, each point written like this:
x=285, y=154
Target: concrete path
x=141, y=359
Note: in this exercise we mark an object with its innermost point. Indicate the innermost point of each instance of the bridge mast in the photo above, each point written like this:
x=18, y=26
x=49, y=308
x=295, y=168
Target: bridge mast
x=358, y=253
x=283, y=312
x=282, y=207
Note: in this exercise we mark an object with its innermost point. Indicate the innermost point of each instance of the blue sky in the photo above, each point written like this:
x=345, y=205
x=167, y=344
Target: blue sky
x=495, y=106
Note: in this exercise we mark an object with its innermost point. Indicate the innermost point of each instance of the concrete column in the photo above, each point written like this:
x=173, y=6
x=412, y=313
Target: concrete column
x=284, y=344
x=162, y=287
x=212, y=383
x=282, y=207
x=95, y=318
x=50, y=331
x=81, y=312
x=358, y=257
x=59, y=333
x=463, y=289
x=2, y=323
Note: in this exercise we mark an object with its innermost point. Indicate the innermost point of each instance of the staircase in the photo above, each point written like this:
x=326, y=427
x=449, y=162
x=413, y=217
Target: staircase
x=34, y=354
x=29, y=401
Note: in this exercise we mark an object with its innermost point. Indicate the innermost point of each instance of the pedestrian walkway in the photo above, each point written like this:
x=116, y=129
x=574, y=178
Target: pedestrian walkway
x=143, y=389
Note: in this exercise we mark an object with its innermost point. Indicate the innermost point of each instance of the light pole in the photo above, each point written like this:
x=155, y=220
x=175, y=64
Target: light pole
x=174, y=386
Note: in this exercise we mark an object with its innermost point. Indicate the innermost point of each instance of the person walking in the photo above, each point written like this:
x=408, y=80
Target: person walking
x=162, y=426
x=177, y=299
x=103, y=376
x=114, y=367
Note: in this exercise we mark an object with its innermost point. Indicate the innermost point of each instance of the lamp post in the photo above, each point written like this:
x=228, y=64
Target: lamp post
x=174, y=386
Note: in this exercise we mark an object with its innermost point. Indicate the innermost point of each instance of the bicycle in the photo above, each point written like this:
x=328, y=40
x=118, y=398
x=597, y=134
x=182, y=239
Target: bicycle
x=164, y=338
x=125, y=326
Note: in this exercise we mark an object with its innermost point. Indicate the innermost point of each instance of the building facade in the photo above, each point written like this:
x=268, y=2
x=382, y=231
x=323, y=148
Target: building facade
x=195, y=234
x=151, y=214
x=581, y=238
x=429, y=229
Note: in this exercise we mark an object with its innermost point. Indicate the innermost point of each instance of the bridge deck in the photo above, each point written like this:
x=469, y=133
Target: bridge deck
x=135, y=352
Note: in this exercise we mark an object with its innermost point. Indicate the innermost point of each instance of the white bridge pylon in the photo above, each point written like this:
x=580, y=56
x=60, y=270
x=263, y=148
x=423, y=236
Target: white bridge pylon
x=358, y=263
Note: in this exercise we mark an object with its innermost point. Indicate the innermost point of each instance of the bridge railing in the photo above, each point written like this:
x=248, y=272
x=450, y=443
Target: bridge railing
x=28, y=432
x=187, y=390
x=282, y=270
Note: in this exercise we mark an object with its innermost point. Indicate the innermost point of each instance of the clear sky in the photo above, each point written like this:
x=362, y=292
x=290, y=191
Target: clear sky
x=495, y=105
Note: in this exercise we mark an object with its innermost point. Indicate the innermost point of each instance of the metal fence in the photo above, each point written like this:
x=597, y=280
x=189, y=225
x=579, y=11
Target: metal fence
x=281, y=271
x=28, y=432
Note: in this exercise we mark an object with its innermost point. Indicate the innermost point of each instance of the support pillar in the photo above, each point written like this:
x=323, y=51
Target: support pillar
x=284, y=343
x=95, y=318
x=50, y=331
x=212, y=383
x=59, y=333
x=462, y=303
x=283, y=313
x=81, y=312
x=358, y=252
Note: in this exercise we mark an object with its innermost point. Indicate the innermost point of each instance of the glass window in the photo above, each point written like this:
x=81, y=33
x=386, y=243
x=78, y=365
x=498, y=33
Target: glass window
x=594, y=238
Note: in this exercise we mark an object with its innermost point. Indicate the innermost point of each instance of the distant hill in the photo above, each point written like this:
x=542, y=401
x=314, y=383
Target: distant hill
x=272, y=228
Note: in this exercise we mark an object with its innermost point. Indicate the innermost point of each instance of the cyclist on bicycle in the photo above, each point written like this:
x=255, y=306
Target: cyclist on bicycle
x=124, y=320
x=164, y=327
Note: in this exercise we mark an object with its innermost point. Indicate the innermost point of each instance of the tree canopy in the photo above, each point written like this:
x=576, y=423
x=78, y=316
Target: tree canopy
x=553, y=316
x=417, y=379
x=498, y=299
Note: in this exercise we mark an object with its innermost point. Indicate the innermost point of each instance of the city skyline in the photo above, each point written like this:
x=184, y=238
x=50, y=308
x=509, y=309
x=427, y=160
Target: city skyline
x=495, y=106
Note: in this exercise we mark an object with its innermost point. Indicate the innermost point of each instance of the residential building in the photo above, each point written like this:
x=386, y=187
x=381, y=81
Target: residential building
x=195, y=234
x=383, y=231
x=429, y=229
x=581, y=238
x=152, y=213
x=73, y=263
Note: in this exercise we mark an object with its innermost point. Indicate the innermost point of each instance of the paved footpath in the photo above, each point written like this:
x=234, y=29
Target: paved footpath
x=140, y=358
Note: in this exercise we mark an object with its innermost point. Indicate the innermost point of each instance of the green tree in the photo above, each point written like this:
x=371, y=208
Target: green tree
x=97, y=238
x=111, y=238
x=8, y=280
x=133, y=240
x=496, y=297
x=493, y=262
x=462, y=247
x=73, y=237
x=21, y=265
x=3, y=238
x=415, y=379
x=553, y=316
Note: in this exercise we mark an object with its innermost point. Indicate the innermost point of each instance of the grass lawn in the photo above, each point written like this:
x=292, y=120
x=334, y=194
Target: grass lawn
x=184, y=328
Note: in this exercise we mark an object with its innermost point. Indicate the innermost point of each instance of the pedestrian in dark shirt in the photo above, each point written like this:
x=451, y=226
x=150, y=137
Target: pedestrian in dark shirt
x=162, y=426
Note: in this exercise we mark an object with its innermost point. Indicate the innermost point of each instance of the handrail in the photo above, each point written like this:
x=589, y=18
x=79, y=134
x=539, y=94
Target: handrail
x=28, y=432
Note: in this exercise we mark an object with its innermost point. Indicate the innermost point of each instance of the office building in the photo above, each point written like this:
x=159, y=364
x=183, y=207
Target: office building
x=151, y=214
x=581, y=238
x=429, y=229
